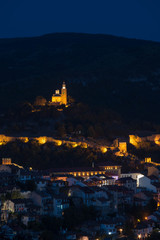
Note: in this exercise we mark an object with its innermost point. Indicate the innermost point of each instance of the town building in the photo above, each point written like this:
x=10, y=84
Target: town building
x=143, y=230
x=44, y=200
x=60, y=203
x=121, y=144
x=127, y=182
x=15, y=205
x=105, y=168
x=142, y=181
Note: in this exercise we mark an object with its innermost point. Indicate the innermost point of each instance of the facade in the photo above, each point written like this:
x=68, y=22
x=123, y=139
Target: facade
x=6, y=161
x=24, y=176
x=92, y=196
x=127, y=182
x=60, y=203
x=44, y=201
x=142, y=181
x=142, y=198
x=121, y=144
x=106, y=169
x=108, y=228
x=15, y=205
x=143, y=230
x=124, y=195
x=60, y=98
x=123, y=147
x=148, y=160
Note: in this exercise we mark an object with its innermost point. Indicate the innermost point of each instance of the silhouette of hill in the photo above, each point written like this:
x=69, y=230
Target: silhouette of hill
x=114, y=72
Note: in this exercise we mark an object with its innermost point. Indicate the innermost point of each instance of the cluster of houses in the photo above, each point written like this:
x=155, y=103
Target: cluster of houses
x=51, y=192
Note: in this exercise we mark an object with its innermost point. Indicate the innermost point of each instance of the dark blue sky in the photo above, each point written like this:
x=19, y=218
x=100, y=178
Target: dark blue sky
x=129, y=18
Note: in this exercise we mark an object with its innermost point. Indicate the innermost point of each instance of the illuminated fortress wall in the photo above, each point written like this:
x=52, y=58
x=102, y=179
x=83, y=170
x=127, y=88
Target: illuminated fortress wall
x=44, y=139
x=134, y=139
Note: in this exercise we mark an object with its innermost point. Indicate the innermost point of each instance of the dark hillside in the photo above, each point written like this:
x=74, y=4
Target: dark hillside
x=118, y=73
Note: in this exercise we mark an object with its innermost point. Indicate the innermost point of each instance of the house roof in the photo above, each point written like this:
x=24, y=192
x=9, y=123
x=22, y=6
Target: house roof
x=43, y=193
x=142, y=225
x=25, y=173
x=86, y=189
x=75, y=169
x=118, y=188
x=19, y=200
x=80, y=169
x=94, y=179
x=60, y=196
x=56, y=95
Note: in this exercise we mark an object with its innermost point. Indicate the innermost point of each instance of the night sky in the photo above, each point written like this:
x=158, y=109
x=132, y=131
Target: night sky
x=128, y=18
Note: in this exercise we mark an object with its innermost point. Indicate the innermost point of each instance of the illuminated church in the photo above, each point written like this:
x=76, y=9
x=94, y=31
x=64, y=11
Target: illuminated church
x=60, y=98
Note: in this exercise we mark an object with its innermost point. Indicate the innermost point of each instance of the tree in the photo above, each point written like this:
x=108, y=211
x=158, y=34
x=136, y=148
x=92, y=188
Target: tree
x=71, y=100
x=30, y=185
x=61, y=131
x=40, y=101
x=15, y=195
x=91, y=132
x=47, y=235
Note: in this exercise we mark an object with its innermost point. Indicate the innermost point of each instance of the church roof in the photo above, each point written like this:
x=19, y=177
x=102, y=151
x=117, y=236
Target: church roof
x=56, y=95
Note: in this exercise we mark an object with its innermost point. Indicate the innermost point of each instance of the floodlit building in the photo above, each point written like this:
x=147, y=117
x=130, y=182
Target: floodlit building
x=109, y=169
x=58, y=97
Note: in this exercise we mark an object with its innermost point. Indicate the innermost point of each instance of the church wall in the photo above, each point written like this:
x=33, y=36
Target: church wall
x=56, y=99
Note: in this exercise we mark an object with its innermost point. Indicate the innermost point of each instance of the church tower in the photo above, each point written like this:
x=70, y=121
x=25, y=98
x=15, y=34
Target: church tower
x=64, y=94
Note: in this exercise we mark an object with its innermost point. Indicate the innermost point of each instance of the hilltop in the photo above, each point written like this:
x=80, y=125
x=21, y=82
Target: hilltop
x=114, y=72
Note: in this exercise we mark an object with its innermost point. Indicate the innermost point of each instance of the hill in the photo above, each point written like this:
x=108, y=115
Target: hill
x=113, y=72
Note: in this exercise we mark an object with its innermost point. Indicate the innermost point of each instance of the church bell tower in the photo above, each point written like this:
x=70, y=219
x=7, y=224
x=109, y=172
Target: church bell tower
x=64, y=94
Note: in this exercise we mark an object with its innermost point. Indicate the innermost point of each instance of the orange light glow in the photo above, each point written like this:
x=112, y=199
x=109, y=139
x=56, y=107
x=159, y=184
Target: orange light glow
x=148, y=160
x=24, y=139
x=84, y=145
x=74, y=144
x=42, y=140
x=58, y=142
x=103, y=149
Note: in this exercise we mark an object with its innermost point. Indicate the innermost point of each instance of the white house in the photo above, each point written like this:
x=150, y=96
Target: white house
x=142, y=181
